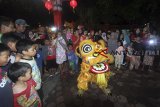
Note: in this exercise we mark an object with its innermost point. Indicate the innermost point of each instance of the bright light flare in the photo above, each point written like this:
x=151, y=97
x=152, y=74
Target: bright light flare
x=53, y=29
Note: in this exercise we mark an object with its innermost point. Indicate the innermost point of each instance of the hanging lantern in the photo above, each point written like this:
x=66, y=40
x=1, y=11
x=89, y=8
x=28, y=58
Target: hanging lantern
x=48, y=5
x=73, y=3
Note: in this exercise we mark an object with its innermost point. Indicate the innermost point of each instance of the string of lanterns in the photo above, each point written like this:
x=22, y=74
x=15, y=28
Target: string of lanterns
x=49, y=5
x=56, y=7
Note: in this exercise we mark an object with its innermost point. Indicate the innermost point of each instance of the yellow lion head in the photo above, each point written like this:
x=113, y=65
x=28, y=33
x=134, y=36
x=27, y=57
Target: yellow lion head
x=95, y=54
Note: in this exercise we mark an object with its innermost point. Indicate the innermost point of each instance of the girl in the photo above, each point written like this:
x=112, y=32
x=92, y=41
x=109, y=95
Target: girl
x=61, y=49
x=119, y=56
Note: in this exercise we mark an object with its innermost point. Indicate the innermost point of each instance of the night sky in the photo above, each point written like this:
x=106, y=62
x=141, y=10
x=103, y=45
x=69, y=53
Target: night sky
x=34, y=12
x=102, y=11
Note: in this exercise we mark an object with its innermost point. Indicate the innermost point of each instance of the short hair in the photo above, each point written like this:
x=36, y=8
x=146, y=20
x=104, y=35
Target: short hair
x=24, y=45
x=9, y=37
x=69, y=44
x=18, y=69
x=5, y=21
x=3, y=48
x=121, y=43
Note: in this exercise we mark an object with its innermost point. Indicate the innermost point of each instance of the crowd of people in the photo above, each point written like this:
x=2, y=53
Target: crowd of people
x=26, y=54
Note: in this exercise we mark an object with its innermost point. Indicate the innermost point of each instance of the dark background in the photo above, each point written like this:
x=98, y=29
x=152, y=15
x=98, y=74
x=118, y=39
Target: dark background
x=92, y=13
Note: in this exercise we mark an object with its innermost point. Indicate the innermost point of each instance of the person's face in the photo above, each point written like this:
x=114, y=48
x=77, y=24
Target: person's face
x=137, y=31
x=68, y=31
x=27, y=75
x=21, y=28
x=72, y=31
x=30, y=34
x=59, y=34
x=117, y=31
x=41, y=29
x=12, y=46
x=92, y=32
x=138, y=39
x=64, y=31
x=9, y=28
x=112, y=37
x=85, y=32
x=4, y=56
x=47, y=42
x=121, y=36
x=108, y=36
x=31, y=52
x=76, y=33
x=80, y=31
x=119, y=43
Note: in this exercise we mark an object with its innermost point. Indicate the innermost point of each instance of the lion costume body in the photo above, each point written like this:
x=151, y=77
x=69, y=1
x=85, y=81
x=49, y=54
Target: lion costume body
x=94, y=66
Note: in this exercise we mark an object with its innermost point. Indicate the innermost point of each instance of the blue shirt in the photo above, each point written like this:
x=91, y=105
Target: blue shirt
x=39, y=58
x=72, y=57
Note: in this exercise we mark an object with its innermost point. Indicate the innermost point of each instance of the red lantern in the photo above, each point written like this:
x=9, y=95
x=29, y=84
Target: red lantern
x=48, y=5
x=73, y=3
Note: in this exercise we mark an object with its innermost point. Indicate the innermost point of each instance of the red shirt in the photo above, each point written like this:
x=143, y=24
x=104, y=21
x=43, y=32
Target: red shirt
x=74, y=39
x=28, y=97
x=51, y=53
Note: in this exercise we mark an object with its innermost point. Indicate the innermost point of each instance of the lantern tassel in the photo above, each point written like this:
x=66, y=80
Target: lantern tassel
x=73, y=10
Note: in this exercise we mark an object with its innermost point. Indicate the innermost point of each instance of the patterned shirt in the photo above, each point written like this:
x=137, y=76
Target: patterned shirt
x=36, y=75
x=28, y=97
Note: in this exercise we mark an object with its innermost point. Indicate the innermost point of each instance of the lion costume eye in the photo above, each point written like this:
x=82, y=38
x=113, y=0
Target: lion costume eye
x=86, y=48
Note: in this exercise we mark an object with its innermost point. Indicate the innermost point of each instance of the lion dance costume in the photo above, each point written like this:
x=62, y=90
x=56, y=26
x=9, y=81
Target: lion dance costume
x=94, y=66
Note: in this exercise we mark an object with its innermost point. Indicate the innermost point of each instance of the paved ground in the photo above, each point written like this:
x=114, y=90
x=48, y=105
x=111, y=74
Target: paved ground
x=129, y=89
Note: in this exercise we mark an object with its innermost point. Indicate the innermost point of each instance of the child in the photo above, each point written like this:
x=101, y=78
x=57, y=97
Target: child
x=137, y=52
x=6, y=94
x=50, y=56
x=119, y=56
x=10, y=39
x=6, y=25
x=28, y=49
x=69, y=36
x=130, y=57
x=24, y=91
x=39, y=57
x=73, y=59
x=61, y=49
